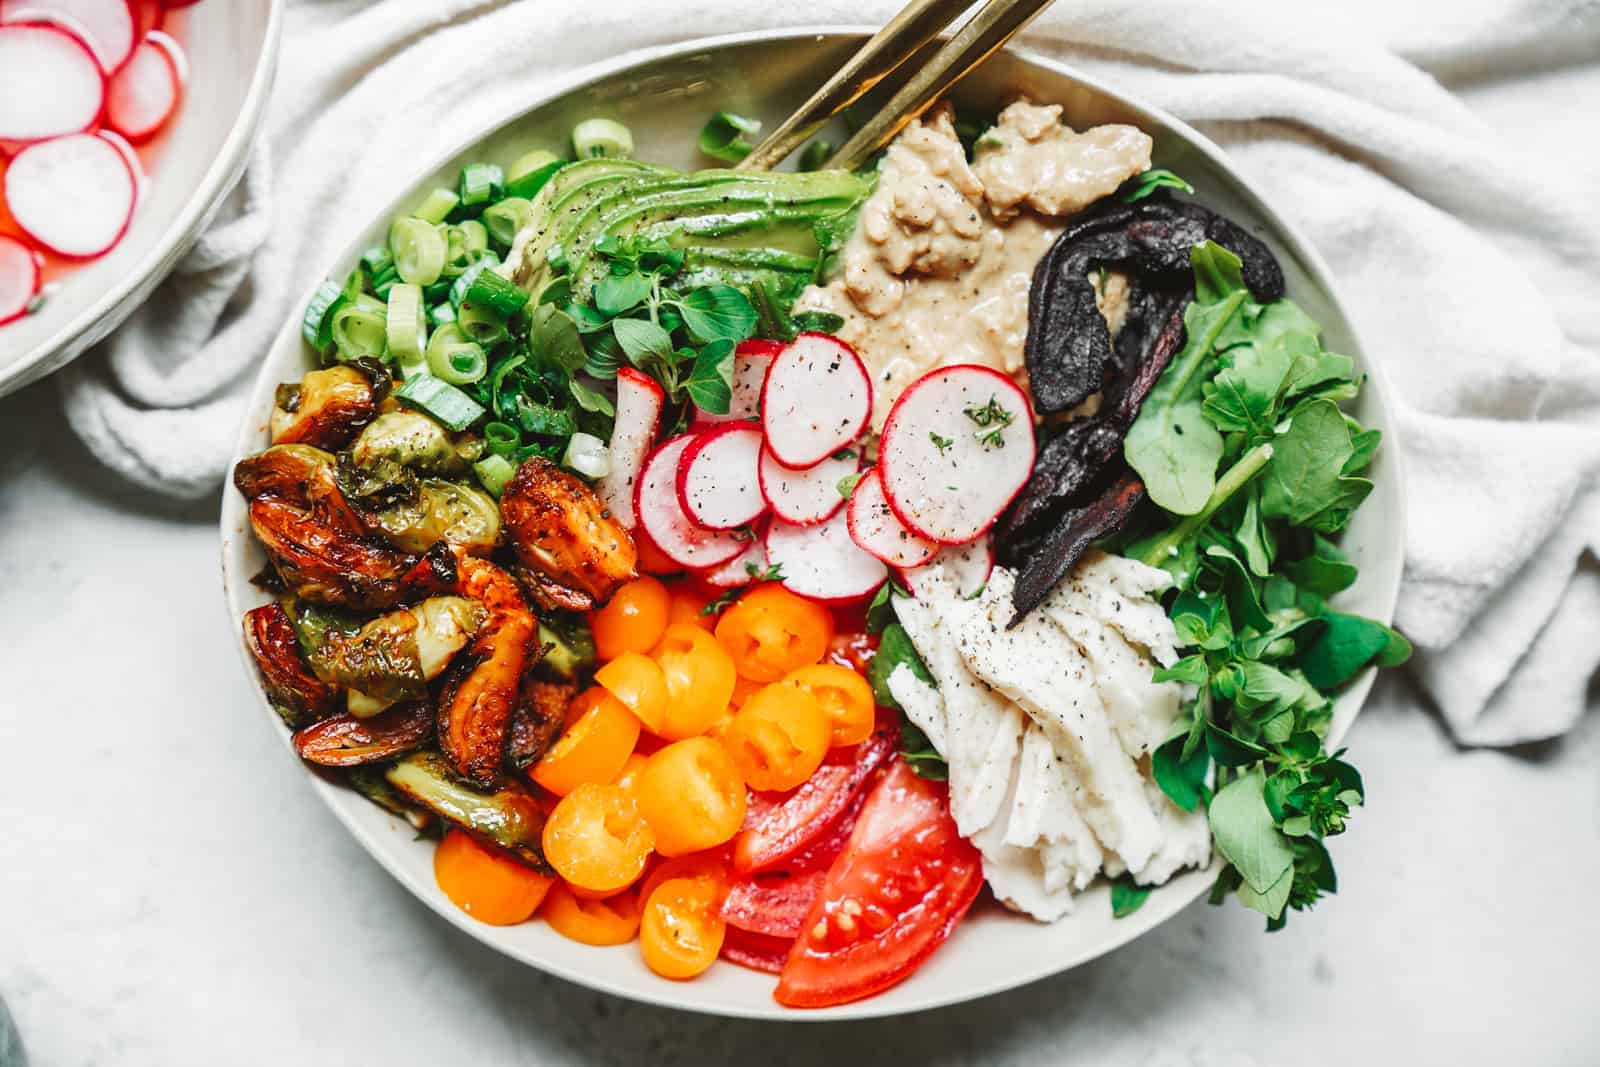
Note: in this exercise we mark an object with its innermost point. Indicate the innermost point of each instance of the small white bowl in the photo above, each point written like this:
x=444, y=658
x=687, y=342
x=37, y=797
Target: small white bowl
x=232, y=47
x=665, y=95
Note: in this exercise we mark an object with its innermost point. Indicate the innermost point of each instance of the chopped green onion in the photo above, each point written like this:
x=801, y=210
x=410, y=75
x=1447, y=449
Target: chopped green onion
x=441, y=313
x=480, y=324
x=463, y=282
x=355, y=283
x=588, y=455
x=476, y=236
x=494, y=472
x=455, y=359
x=501, y=438
x=724, y=136
x=419, y=250
x=506, y=219
x=383, y=282
x=359, y=328
x=316, y=326
x=377, y=259
x=527, y=186
x=528, y=162
x=457, y=256
x=479, y=183
x=499, y=294
x=437, y=206
x=602, y=137
x=454, y=409
x=405, y=326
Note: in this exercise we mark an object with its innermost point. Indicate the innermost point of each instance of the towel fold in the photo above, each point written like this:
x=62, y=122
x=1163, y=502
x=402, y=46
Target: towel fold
x=1434, y=153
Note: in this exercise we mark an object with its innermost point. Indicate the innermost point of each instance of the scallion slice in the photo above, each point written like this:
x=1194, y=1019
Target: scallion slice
x=377, y=259
x=359, y=329
x=316, y=326
x=498, y=294
x=505, y=219
x=419, y=250
x=459, y=287
x=480, y=324
x=588, y=455
x=454, y=358
x=406, y=328
x=479, y=183
x=530, y=161
x=494, y=472
x=441, y=313
x=436, y=207
x=527, y=185
x=475, y=236
x=501, y=438
x=602, y=137
x=454, y=409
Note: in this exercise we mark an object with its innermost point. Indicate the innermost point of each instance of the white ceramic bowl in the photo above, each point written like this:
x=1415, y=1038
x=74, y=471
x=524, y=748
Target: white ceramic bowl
x=665, y=95
x=232, y=47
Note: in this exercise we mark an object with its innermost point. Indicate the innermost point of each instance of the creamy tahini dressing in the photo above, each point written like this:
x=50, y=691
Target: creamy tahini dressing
x=938, y=269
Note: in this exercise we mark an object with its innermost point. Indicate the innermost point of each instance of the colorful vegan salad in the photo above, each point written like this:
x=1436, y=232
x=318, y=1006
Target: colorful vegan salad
x=757, y=566
x=86, y=89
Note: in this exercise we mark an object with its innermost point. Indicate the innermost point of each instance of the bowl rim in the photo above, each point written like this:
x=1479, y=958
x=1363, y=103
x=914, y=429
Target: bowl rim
x=674, y=995
x=100, y=316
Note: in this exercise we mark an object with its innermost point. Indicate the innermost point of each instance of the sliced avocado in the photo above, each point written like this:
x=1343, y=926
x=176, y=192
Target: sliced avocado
x=567, y=192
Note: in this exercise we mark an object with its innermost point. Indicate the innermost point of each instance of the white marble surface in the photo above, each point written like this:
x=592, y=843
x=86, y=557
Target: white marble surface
x=173, y=895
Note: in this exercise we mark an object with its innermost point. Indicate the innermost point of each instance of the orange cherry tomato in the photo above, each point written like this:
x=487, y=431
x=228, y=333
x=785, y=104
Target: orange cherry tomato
x=692, y=796
x=596, y=839
x=632, y=620
x=778, y=738
x=598, y=738
x=744, y=689
x=486, y=884
x=700, y=679
x=710, y=865
x=628, y=777
x=612, y=921
x=680, y=931
x=637, y=681
x=651, y=559
x=845, y=698
x=688, y=605
x=770, y=631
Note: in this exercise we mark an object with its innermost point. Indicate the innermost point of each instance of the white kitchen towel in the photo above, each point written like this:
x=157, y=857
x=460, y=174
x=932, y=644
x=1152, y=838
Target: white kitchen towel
x=1438, y=154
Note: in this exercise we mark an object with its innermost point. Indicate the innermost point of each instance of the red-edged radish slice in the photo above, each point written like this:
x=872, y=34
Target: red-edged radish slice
x=50, y=83
x=106, y=26
x=170, y=4
x=144, y=93
x=816, y=400
x=968, y=566
x=874, y=527
x=717, y=482
x=639, y=400
x=129, y=154
x=822, y=562
x=679, y=537
x=147, y=15
x=73, y=195
x=19, y=278
x=742, y=569
x=750, y=362
x=810, y=496
x=957, y=448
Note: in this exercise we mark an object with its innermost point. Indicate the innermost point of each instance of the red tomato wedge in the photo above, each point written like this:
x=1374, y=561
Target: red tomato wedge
x=777, y=830
x=905, y=879
x=774, y=904
x=759, y=952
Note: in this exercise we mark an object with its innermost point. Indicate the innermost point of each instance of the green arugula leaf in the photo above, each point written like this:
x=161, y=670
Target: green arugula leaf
x=894, y=648
x=816, y=322
x=1190, y=670
x=553, y=337
x=643, y=341
x=1246, y=835
x=1182, y=778
x=920, y=755
x=1142, y=185
x=880, y=612
x=1326, y=571
x=1127, y=896
x=1271, y=901
x=718, y=313
x=710, y=383
x=1304, y=484
x=615, y=294
x=591, y=399
x=1231, y=751
x=1349, y=643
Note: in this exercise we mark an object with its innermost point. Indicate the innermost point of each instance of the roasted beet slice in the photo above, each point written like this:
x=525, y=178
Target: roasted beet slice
x=346, y=741
x=1076, y=531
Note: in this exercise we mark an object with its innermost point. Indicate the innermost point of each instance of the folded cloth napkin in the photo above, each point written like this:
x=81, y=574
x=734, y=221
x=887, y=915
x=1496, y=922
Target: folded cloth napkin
x=1432, y=152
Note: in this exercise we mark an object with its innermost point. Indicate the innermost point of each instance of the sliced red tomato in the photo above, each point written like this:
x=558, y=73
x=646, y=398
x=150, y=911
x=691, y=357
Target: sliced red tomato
x=905, y=879
x=852, y=649
x=787, y=826
x=759, y=952
x=775, y=904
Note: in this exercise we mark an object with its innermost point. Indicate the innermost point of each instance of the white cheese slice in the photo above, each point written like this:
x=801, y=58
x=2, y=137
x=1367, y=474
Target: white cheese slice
x=1142, y=711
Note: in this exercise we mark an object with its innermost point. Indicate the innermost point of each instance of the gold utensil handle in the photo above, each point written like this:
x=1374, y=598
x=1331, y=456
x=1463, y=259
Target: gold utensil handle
x=914, y=26
x=983, y=35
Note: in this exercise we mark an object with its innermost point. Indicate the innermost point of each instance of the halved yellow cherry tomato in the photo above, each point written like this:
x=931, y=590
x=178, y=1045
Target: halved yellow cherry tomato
x=692, y=796
x=744, y=689
x=845, y=698
x=628, y=777
x=778, y=738
x=710, y=866
x=770, y=631
x=596, y=839
x=632, y=620
x=700, y=678
x=598, y=738
x=680, y=931
x=688, y=605
x=612, y=921
x=488, y=885
x=637, y=681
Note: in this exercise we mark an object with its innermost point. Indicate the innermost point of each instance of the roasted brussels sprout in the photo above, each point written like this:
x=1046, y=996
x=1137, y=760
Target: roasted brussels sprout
x=510, y=817
x=440, y=511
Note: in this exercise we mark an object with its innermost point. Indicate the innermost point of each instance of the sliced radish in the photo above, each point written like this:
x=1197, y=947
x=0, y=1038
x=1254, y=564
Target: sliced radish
x=816, y=400
x=639, y=400
x=50, y=83
x=107, y=26
x=147, y=15
x=742, y=569
x=874, y=527
x=679, y=537
x=73, y=195
x=144, y=93
x=750, y=362
x=718, y=486
x=822, y=562
x=809, y=496
x=19, y=278
x=968, y=566
x=957, y=447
